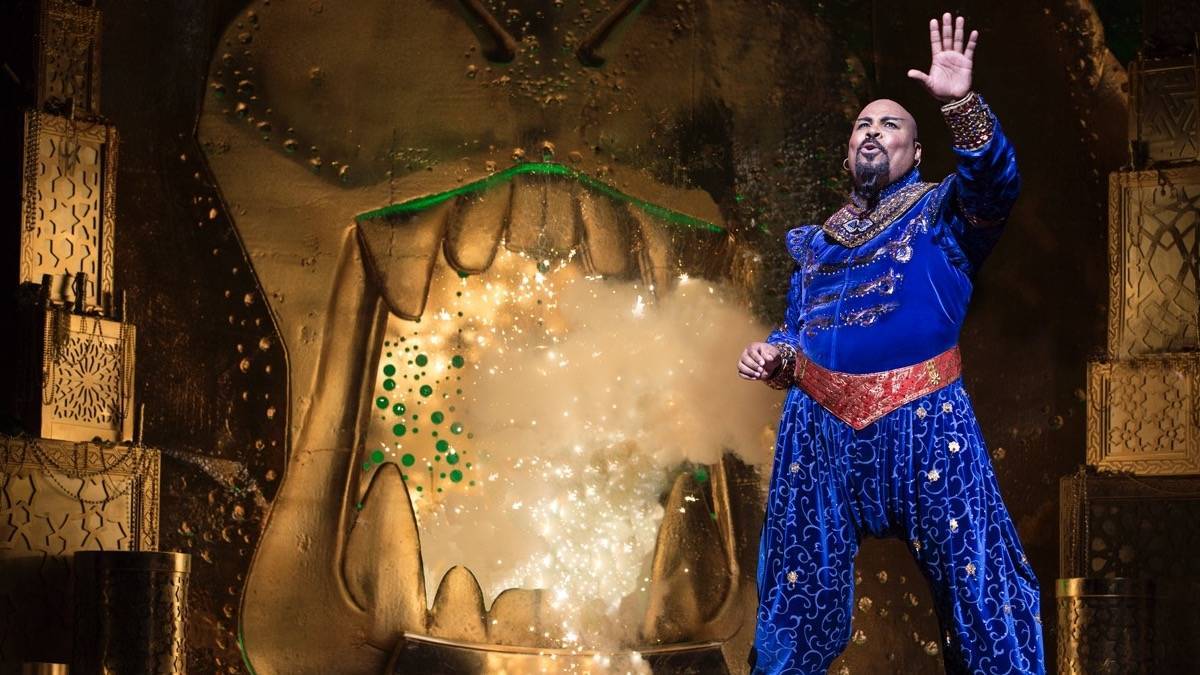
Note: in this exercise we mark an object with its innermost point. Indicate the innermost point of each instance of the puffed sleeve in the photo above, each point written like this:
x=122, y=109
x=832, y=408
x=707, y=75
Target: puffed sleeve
x=978, y=197
x=786, y=335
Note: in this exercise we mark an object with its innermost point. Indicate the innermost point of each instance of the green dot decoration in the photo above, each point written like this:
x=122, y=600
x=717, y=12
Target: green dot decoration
x=408, y=374
x=701, y=475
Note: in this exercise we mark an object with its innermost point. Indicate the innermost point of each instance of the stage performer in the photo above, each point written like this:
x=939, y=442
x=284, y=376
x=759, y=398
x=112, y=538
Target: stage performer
x=877, y=436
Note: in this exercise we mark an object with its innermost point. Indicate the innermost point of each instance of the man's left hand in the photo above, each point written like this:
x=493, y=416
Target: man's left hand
x=949, y=76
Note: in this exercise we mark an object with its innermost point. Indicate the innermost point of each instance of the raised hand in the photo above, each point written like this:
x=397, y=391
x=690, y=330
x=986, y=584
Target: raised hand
x=949, y=76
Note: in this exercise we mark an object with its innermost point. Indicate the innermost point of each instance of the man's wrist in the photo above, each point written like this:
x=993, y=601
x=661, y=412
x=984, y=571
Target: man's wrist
x=970, y=121
x=784, y=375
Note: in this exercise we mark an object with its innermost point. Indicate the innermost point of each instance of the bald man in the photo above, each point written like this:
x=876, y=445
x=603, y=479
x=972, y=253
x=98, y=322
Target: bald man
x=878, y=437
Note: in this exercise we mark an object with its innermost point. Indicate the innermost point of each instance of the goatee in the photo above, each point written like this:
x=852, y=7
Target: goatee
x=870, y=178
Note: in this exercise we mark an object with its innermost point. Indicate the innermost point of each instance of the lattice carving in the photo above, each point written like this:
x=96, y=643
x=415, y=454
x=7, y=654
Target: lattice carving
x=69, y=57
x=68, y=193
x=1122, y=526
x=87, y=378
x=1154, y=262
x=1144, y=415
x=131, y=612
x=1106, y=633
x=1163, y=120
x=57, y=498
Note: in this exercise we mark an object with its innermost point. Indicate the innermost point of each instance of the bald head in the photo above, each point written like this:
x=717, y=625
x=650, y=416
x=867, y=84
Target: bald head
x=883, y=146
x=886, y=107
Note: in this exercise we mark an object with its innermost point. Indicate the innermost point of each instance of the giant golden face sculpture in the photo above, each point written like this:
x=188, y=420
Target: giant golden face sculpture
x=432, y=191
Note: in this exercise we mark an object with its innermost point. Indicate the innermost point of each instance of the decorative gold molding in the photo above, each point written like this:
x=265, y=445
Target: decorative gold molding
x=86, y=385
x=69, y=57
x=58, y=498
x=1154, y=273
x=1144, y=415
x=1164, y=116
x=69, y=194
x=94, y=477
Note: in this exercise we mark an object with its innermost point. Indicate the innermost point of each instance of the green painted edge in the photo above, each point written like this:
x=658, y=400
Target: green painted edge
x=242, y=648
x=543, y=169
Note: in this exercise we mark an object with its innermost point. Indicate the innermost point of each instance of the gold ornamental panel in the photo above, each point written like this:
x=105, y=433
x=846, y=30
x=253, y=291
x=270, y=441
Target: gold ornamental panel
x=57, y=498
x=1166, y=103
x=68, y=197
x=86, y=386
x=69, y=57
x=1144, y=415
x=1154, y=262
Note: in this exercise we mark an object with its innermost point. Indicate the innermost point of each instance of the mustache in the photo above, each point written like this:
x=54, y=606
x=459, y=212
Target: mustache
x=874, y=145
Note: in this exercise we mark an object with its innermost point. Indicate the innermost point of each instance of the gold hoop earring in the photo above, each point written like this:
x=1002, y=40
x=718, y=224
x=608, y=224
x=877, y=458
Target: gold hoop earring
x=846, y=164
x=917, y=163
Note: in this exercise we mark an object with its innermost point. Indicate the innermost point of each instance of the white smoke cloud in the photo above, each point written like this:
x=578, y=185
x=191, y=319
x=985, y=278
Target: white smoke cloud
x=585, y=398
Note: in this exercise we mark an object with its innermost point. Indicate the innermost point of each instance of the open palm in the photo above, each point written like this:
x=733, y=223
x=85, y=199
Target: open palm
x=949, y=76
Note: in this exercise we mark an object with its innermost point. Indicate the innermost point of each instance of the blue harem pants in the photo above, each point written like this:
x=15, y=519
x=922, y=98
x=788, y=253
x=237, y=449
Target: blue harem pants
x=921, y=473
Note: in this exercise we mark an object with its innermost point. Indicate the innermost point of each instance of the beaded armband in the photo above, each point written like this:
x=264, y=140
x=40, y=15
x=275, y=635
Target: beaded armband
x=785, y=373
x=970, y=122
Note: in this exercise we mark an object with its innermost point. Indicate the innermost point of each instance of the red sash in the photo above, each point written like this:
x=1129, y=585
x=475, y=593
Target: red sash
x=859, y=400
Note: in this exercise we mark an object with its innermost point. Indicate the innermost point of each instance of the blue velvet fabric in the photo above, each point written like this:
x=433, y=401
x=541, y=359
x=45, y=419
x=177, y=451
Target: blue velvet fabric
x=921, y=472
x=901, y=297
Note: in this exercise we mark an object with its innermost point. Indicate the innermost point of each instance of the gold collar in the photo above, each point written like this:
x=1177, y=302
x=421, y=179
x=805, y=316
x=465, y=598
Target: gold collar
x=851, y=227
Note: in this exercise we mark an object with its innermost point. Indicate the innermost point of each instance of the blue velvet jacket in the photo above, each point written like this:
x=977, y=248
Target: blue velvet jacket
x=889, y=288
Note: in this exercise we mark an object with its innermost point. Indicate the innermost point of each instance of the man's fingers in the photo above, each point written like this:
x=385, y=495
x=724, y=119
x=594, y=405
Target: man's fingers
x=958, y=34
x=747, y=371
x=935, y=37
x=919, y=76
x=947, y=32
x=969, y=52
x=749, y=363
x=760, y=354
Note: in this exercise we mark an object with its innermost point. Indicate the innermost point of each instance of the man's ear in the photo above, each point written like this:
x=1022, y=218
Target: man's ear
x=917, y=152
